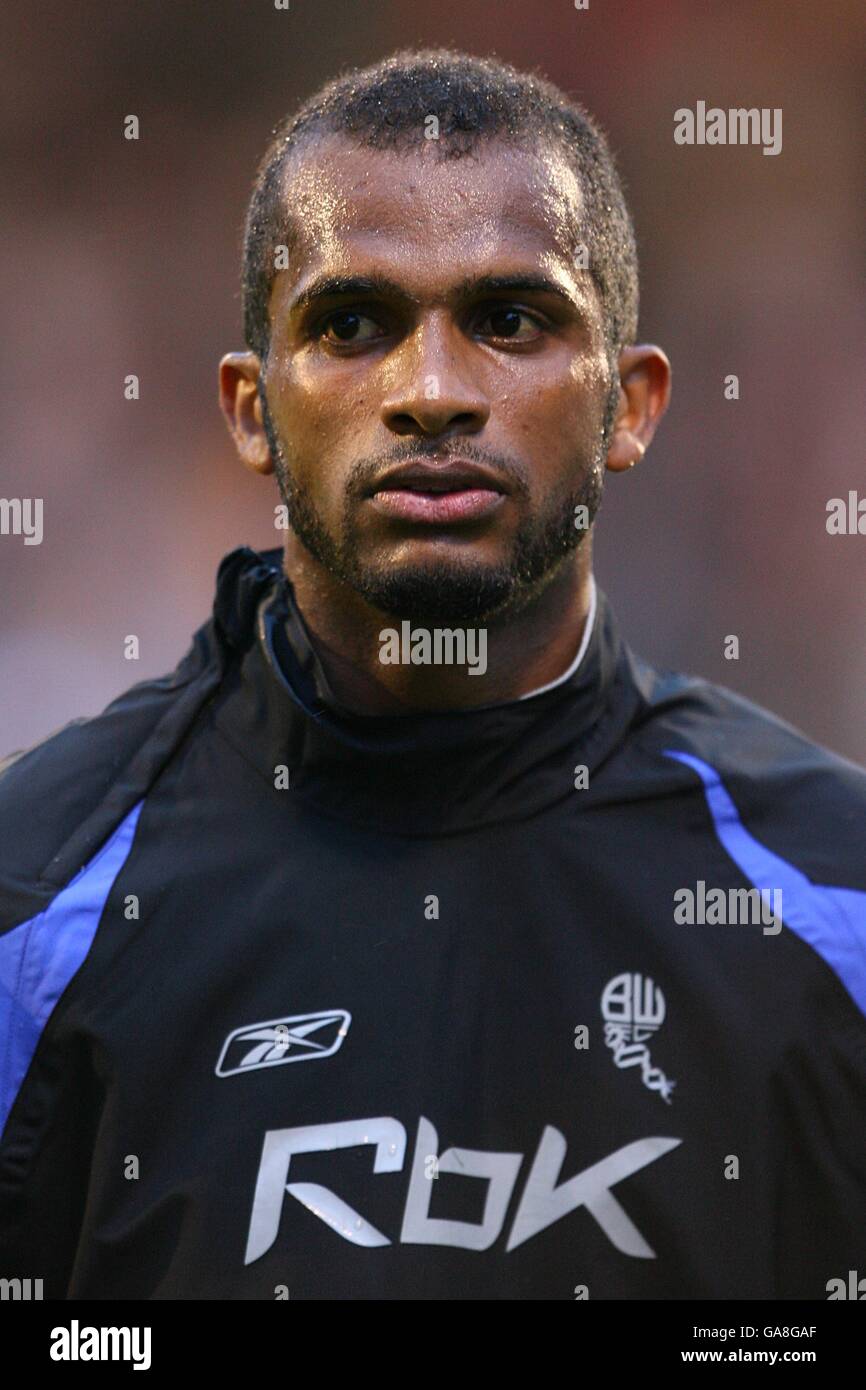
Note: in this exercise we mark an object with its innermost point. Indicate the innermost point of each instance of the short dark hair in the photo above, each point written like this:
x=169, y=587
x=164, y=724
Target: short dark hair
x=385, y=106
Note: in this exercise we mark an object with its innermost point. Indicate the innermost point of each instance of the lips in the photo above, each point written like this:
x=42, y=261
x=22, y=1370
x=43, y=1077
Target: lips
x=433, y=477
x=467, y=504
x=438, y=493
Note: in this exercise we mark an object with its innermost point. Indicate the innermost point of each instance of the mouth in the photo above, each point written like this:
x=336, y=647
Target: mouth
x=438, y=492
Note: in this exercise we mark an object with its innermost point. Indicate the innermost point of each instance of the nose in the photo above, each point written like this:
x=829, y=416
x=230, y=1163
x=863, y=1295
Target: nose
x=432, y=389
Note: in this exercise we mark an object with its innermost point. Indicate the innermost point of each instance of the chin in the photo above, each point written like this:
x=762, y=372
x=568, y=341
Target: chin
x=438, y=596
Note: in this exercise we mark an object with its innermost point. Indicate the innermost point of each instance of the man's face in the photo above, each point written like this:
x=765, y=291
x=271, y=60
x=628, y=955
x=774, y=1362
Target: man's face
x=496, y=393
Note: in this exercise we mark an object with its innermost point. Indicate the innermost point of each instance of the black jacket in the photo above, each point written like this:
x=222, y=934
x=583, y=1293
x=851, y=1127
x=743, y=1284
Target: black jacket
x=538, y=1079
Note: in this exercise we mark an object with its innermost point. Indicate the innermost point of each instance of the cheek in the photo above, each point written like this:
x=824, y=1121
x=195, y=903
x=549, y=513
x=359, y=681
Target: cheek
x=556, y=419
x=318, y=442
x=311, y=424
x=581, y=406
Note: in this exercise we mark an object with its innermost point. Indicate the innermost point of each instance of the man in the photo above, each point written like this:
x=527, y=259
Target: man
x=577, y=944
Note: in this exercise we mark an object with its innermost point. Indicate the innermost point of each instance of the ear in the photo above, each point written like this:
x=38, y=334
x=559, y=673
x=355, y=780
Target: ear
x=644, y=392
x=239, y=401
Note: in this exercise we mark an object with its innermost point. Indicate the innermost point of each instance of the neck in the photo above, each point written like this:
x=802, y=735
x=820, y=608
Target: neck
x=524, y=650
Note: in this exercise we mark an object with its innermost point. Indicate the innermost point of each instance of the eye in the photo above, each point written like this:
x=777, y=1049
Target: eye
x=512, y=323
x=348, y=326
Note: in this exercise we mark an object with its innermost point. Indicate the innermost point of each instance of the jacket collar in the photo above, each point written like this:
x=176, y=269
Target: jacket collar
x=419, y=774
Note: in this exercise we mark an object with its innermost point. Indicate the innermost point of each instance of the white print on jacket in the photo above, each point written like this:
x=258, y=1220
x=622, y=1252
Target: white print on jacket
x=633, y=1007
x=270, y=1044
x=542, y=1201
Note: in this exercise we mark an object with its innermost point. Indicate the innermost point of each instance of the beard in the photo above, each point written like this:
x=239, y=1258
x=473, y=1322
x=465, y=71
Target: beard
x=453, y=590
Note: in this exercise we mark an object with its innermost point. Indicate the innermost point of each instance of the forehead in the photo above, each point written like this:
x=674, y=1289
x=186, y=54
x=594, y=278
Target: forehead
x=425, y=215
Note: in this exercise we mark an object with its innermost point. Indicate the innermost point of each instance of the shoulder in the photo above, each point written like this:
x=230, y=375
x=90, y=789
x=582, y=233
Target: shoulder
x=808, y=799
x=789, y=813
x=62, y=797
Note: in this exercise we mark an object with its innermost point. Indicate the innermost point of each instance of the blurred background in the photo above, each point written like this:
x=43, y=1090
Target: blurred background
x=123, y=256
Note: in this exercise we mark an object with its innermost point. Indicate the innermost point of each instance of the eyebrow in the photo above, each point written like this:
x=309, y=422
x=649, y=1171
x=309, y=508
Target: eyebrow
x=368, y=286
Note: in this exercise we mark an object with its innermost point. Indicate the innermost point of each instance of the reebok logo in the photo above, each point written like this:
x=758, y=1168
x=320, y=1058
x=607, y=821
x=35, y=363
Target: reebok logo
x=294, y=1038
x=543, y=1201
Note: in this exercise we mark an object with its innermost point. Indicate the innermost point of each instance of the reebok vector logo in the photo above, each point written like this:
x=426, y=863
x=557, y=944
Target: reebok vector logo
x=294, y=1038
x=546, y=1195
